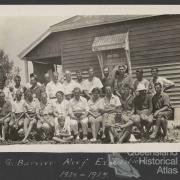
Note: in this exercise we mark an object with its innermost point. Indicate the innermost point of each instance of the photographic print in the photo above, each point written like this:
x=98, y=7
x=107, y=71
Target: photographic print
x=90, y=79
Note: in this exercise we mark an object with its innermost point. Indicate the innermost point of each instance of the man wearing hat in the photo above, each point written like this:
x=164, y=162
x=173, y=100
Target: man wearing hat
x=143, y=110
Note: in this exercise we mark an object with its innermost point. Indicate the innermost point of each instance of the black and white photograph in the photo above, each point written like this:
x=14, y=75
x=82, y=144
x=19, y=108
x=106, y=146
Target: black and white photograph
x=90, y=79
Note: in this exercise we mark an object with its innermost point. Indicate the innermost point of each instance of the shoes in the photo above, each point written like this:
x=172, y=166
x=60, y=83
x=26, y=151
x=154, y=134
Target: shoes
x=77, y=138
x=85, y=139
x=93, y=140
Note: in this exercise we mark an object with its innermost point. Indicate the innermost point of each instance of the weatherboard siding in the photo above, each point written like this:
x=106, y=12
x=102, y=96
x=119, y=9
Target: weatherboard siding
x=153, y=41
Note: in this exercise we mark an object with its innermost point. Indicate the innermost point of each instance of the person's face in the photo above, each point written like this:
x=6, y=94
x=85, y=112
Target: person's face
x=79, y=75
x=95, y=95
x=139, y=75
x=158, y=89
x=55, y=77
x=33, y=81
x=121, y=70
x=17, y=81
x=76, y=93
x=44, y=96
x=126, y=90
x=106, y=72
x=30, y=97
x=46, y=78
x=59, y=97
x=154, y=72
x=18, y=96
x=61, y=121
x=91, y=73
x=108, y=91
x=68, y=77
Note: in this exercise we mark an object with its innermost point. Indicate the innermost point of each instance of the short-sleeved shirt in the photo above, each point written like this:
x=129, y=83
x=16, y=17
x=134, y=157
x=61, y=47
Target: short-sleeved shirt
x=127, y=102
x=80, y=106
x=163, y=81
x=120, y=83
x=142, y=102
x=61, y=108
x=80, y=84
x=112, y=103
x=160, y=101
x=90, y=85
x=145, y=82
x=52, y=88
x=94, y=106
x=5, y=108
x=33, y=107
x=18, y=106
x=69, y=86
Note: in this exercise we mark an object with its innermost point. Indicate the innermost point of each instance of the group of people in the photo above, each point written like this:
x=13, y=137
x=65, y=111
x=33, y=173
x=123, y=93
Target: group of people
x=67, y=110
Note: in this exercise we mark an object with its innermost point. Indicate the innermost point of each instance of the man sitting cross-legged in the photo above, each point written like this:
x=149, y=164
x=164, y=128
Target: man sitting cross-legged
x=161, y=111
x=60, y=111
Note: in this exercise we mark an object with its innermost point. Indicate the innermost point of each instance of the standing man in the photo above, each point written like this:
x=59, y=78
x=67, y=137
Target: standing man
x=161, y=110
x=91, y=83
x=78, y=111
x=80, y=80
x=166, y=84
x=123, y=78
x=54, y=86
x=46, y=79
x=69, y=85
x=36, y=89
x=140, y=79
x=107, y=80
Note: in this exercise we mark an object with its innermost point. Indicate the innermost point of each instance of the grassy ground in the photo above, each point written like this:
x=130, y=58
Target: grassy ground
x=173, y=134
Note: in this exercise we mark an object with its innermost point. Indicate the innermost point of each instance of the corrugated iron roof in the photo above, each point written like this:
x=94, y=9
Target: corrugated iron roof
x=92, y=20
x=109, y=42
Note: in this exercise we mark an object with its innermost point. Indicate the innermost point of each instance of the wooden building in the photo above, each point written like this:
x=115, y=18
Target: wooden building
x=140, y=41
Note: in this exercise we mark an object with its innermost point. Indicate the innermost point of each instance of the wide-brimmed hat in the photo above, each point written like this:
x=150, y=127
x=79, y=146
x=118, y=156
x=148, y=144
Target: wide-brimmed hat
x=141, y=87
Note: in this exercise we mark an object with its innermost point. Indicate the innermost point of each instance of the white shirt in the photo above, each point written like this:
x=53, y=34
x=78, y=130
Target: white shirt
x=163, y=81
x=90, y=85
x=61, y=108
x=18, y=106
x=69, y=86
x=52, y=89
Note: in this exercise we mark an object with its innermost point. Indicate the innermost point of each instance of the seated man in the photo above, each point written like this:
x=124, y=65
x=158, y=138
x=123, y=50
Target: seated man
x=31, y=110
x=128, y=116
x=110, y=107
x=78, y=111
x=143, y=110
x=5, y=115
x=161, y=110
x=62, y=133
x=60, y=111
x=17, y=120
x=95, y=117
x=46, y=116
